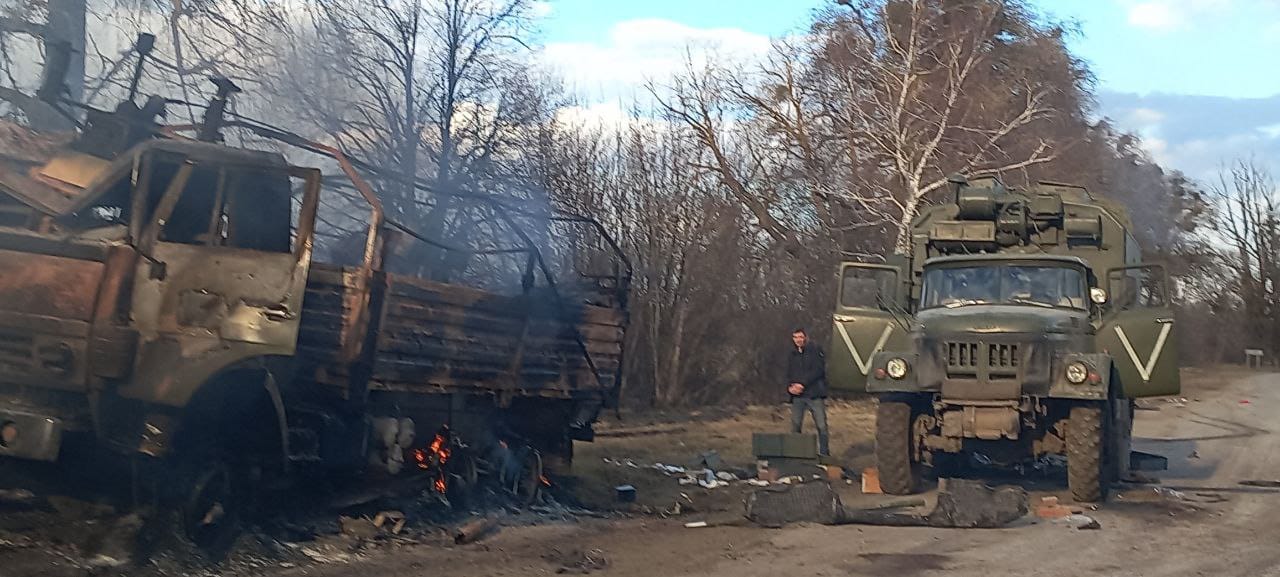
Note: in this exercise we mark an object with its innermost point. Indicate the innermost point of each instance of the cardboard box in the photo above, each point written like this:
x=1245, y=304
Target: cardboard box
x=871, y=481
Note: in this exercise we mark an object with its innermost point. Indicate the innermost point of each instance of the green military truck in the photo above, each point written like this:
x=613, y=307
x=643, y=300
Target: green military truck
x=1023, y=324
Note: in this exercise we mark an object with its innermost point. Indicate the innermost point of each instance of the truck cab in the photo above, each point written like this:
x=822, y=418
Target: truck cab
x=1021, y=327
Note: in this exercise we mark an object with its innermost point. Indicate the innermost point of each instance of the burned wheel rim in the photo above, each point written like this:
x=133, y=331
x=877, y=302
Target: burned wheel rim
x=210, y=513
x=528, y=484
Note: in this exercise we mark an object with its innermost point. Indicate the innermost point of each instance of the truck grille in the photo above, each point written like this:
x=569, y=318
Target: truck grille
x=965, y=358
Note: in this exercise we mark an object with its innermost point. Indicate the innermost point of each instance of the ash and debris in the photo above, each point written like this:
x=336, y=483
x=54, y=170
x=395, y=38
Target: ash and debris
x=88, y=534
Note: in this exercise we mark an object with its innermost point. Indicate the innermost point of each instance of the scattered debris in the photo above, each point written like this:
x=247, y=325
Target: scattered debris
x=961, y=504
x=394, y=521
x=625, y=493
x=695, y=525
x=1194, y=455
x=972, y=504
x=1049, y=508
x=778, y=506
x=669, y=469
x=707, y=460
x=474, y=530
x=871, y=481
x=1082, y=522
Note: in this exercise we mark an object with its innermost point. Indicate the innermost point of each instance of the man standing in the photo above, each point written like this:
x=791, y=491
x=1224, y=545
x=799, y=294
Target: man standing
x=807, y=375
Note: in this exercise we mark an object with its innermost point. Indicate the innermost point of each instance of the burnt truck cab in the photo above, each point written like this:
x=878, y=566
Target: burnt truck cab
x=137, y=276
x=1021, y=326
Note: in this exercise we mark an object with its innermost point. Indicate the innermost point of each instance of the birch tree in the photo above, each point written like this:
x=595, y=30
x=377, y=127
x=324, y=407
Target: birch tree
x=923, y=89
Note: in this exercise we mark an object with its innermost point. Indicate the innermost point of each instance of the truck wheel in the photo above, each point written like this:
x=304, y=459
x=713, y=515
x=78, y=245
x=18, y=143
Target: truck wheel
x=898, y=474
x=210, y=510
x=1085, y=454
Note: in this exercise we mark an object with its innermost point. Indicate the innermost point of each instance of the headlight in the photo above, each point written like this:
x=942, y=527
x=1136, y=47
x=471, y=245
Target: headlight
x=897, y=368
x=1077, y=373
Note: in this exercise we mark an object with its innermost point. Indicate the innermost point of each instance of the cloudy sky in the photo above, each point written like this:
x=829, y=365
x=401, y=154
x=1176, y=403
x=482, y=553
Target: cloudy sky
x=1194, y=77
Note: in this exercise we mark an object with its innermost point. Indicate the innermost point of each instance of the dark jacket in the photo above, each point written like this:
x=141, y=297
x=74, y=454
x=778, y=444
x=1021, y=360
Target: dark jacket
x=809, y=368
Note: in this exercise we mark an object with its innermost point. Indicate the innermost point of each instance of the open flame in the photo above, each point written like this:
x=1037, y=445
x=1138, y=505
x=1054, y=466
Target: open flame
x=434, y=457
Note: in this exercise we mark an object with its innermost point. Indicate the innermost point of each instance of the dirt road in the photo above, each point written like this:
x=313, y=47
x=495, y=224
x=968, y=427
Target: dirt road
x=1216, y=439
x=1199, y=522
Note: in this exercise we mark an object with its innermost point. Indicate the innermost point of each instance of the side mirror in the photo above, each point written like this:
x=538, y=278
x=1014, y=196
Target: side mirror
x=1098, y=296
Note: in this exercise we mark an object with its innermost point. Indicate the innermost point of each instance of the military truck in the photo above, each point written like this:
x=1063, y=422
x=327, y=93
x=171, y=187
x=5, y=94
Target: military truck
x=159, y=296
x=1022, y=324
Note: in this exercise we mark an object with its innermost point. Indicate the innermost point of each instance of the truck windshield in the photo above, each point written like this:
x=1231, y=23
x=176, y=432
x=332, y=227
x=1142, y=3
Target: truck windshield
x=1035, y=285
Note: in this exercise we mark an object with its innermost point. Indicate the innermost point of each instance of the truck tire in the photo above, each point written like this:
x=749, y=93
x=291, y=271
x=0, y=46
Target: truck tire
x=1085, y=454
x=211, y=507
x=898, y=474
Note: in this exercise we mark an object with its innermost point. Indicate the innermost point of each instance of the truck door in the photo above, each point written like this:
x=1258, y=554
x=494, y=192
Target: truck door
x=869, y=318
x=1138, y=331
x=225, y=250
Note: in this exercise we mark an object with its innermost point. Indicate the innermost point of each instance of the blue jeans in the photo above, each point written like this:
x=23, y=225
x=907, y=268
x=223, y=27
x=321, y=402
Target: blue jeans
x=799, y=405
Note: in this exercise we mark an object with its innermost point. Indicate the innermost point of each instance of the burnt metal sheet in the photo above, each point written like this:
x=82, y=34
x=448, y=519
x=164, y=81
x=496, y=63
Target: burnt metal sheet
x=48, y=285
x=437, y=335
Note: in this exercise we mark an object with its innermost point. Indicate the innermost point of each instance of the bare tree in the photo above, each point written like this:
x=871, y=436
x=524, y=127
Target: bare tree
x=918, y=89
x=1249, y=221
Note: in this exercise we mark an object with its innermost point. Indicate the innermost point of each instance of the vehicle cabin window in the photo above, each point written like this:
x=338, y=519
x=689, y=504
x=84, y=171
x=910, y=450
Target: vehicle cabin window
x=1030, y=284
x=229, y=206
x=1137, y=288
x=866, y=288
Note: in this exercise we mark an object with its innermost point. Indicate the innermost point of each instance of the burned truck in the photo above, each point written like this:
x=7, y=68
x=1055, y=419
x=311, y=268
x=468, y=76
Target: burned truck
x=160, y=296
x=1022, y=324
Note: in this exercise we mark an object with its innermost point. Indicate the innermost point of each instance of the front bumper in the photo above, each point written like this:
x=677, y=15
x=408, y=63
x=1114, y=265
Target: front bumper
x=38, y=437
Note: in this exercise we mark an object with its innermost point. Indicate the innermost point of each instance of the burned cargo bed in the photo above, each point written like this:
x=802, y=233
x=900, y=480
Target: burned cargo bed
x=489, y=367
x=436, y=337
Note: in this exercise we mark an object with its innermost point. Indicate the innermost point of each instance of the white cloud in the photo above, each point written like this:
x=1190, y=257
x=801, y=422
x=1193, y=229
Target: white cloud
x=542, y=9
x=1172, y=15
x=1144, y=118
x=1155, y=15
x=638, y=51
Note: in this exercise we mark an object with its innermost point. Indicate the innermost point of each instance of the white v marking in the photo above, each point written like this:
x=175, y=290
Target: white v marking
x=864, y=365
x=1144, y=370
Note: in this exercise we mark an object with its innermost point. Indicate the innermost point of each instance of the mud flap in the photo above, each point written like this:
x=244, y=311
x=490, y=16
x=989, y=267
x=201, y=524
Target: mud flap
x=1140, y=461
x=1121, y=437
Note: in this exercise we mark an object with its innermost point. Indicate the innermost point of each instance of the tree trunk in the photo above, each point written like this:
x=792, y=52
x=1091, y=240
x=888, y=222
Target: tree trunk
x=903, y=243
